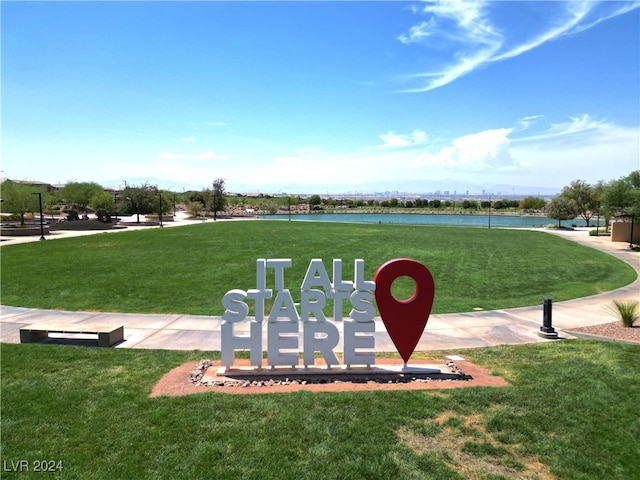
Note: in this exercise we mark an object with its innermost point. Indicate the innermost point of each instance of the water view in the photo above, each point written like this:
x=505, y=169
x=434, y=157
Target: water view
x=435, y=219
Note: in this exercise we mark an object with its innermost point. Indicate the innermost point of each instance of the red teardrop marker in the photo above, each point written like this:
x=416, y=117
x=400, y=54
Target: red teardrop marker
x=404, y=319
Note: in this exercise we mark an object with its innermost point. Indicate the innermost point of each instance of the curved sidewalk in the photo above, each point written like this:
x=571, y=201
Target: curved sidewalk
x=443, y=331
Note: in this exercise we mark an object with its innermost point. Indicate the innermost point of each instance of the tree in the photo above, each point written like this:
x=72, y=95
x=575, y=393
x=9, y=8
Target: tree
x=584, y=197
x=103, y=204
x=79, y=194
x=218, y=199
x=532, y=203
x=19, y=198
x=623, y=196
x=140, y=200
x=315, y=201
x=561, y=208
x=102, y=201
x=201, y=196
x=165, y=200
x=194, y=208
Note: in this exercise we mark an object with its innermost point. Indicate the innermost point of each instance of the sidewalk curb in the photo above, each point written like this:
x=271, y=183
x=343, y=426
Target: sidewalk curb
x=589, y=336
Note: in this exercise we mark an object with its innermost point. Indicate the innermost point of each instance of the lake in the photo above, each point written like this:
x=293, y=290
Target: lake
x=431, y=219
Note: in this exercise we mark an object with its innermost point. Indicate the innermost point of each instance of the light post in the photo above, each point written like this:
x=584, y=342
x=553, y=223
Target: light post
x=214, y=207
x=160, y=213
x=115, y=204
x=489, y=210
x=289, y=204
x=41, y=219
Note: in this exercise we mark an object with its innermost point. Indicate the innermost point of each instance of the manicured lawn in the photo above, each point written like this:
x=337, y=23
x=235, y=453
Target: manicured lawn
x=189, y=269
x=571, y=412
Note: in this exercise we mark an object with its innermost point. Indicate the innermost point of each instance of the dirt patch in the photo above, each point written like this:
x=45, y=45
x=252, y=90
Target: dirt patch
x=465, y=445
x=177, y=382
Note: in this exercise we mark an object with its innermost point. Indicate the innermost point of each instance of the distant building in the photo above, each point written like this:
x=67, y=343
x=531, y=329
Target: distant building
x=50, y=188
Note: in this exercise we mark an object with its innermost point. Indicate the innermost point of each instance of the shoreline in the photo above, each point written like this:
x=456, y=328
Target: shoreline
x=405, y=212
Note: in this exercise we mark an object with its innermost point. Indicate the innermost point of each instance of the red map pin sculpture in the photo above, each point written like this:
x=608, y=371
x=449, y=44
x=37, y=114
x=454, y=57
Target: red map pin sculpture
x=404, y=319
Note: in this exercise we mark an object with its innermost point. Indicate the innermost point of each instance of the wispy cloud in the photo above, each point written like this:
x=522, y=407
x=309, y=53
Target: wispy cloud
x=579, y=129
x=473, y=34
x=526, y=122
x=189, y=139
x=395, y=140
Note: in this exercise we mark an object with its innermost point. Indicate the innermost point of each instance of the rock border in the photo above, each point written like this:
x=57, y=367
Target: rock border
x=186, y=379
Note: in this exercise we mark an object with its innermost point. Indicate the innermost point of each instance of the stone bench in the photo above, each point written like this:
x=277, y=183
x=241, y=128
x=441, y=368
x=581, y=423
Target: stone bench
x=107, y=335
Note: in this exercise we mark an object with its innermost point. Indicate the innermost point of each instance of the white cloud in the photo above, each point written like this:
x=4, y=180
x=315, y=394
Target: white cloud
x=545, y=154
x=531, y=152
x=477, y=151
x=189, y=139
x=391, y=139
x=419, y=32
x=581, y=148
x=474, y=37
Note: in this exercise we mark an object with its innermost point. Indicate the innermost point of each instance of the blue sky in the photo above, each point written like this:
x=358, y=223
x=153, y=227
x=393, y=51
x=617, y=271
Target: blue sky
x=317, y=97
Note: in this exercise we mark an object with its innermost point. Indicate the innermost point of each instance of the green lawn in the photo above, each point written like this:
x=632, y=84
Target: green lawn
x=571, y=412
x=188, y=269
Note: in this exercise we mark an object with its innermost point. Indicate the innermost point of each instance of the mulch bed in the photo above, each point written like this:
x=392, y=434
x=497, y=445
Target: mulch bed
x=179, y=381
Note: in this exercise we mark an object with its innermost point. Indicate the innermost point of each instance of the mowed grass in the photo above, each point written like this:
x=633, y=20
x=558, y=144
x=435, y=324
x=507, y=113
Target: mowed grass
x=570, y=412
x=189, y=269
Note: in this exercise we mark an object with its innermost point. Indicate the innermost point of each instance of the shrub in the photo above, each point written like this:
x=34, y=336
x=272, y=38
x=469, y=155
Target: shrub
x=627, y=312
x=103, y=215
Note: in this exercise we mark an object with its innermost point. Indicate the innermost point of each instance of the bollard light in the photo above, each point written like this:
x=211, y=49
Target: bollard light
x=547, y=330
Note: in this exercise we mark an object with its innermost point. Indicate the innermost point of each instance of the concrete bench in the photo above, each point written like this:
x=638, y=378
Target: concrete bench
x=107, y=335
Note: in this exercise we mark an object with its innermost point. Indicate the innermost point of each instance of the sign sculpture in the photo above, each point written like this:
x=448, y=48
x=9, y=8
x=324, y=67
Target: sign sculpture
x=404, y=320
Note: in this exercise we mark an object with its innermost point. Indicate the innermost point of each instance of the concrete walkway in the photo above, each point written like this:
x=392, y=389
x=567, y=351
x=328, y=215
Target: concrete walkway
x=443, y=331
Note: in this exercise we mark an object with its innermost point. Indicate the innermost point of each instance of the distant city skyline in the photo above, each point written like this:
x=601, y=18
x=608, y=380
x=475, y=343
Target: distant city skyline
x=506, y=193
x=322, y=97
